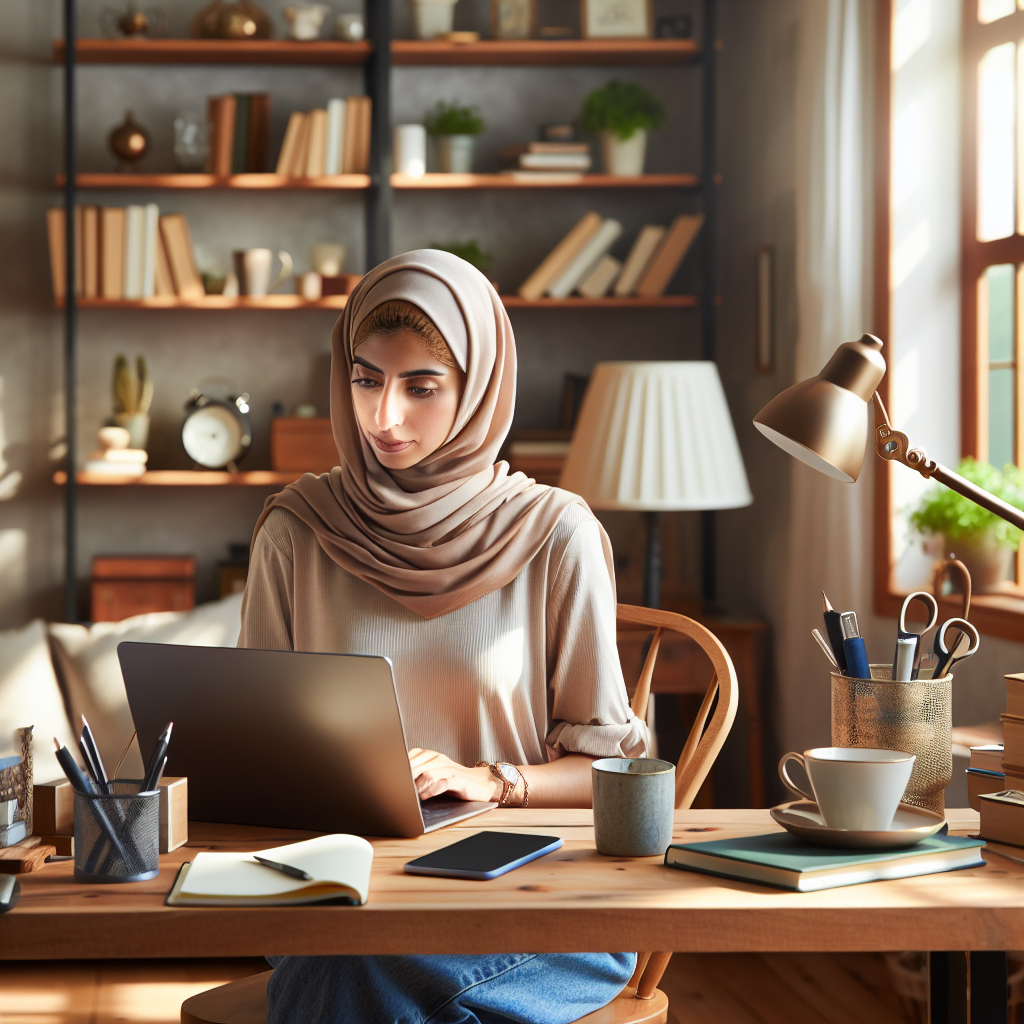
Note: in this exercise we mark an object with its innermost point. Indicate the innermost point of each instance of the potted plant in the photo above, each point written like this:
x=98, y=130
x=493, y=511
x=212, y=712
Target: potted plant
x=454, y=129
x=979, y=538
x=133, y=395
x=432, y=18
x=621, y=114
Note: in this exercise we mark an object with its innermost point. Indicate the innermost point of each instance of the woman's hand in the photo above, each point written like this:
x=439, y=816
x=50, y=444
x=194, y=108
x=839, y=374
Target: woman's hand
x=435, y=774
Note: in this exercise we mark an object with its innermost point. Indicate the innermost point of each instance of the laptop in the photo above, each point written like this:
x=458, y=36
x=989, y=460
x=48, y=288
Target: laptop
x=283, y=739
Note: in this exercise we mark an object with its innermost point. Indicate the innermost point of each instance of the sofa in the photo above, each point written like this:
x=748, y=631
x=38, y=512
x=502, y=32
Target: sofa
x=51, y=674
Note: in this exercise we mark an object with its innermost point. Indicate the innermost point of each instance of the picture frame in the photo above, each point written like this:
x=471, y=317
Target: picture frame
x=616, y=19
x=513, y=19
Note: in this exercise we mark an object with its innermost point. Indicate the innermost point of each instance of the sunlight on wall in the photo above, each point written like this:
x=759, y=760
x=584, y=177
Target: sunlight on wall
x=13, y=568
x=910, y=30
x=9, y=482
x=910, y=251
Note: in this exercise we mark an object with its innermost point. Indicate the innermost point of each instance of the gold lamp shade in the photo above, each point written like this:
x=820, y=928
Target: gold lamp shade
x=823, y=421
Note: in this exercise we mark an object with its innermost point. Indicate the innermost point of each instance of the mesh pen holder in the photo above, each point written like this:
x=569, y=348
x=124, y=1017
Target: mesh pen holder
x=914, y=716
x=117, y=837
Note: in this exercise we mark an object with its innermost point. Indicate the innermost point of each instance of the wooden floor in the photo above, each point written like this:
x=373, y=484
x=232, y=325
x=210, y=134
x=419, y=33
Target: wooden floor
x=781, y=988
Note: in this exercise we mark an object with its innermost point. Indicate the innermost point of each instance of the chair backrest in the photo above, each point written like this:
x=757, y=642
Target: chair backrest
x=702, y=745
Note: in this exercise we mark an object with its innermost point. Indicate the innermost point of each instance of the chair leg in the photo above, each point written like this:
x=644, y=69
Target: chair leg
x=652, y=975
x=641, y=965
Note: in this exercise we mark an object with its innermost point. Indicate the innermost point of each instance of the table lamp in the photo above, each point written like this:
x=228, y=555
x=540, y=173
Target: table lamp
x=656, y=437
x=823, y=422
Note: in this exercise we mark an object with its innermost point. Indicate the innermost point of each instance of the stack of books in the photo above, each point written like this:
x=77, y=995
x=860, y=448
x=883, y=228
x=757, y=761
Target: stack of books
x=238, y=132
x=331, y=140
x=1002, y=809
x=581, y=261
x=547, y=162
x=125, y=253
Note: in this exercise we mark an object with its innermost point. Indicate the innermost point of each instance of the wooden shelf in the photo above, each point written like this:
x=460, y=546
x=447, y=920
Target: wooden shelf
x=501, y=181
x=213, y=51
x=542, y=51
x=403, y=51
x=183, y=478
x=609, y=302
x=327, y=182
x=286, y=302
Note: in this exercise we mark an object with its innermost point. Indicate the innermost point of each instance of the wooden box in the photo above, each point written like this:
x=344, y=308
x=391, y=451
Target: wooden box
x=53, y=808
x=124, y=585
x=302, y=445
x=173, y=812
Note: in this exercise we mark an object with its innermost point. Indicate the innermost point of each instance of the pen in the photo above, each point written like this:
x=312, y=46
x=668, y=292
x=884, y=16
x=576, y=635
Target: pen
x=92, y=757
x=76, y=777
x=903, y=663
x=157, y=760
x=286, y=869
x=826, y=650
x=853, y=647
x=834, y=631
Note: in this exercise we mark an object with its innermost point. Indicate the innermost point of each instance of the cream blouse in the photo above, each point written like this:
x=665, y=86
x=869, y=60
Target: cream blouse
x=523, y=674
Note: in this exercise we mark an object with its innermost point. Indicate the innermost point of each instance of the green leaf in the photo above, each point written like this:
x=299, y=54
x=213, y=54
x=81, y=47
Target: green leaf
x=622, y=107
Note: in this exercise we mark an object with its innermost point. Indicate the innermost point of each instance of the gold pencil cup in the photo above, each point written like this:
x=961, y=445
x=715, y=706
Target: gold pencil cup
x=915, y=716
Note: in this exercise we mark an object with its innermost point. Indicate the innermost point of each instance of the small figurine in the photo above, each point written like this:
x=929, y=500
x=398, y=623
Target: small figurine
x=129, y=142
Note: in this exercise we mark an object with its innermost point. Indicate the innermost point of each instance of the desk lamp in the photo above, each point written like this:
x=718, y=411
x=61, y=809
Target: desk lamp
x=656, y=437
x=822, y=421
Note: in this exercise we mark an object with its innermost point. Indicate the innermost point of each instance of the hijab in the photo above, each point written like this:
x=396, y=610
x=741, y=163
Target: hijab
x=457, y=525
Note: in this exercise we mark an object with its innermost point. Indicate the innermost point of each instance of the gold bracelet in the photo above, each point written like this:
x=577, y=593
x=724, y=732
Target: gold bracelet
x=503, y=771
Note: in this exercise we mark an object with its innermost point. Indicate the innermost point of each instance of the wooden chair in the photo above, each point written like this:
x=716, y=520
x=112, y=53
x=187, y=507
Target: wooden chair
x=641, y=1001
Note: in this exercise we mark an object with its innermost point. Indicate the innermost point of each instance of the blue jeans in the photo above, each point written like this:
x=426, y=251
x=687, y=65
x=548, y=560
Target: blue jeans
x=546, y=988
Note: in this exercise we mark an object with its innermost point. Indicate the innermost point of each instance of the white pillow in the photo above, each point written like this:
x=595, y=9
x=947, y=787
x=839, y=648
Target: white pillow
x=86, y=659
x=30, y=695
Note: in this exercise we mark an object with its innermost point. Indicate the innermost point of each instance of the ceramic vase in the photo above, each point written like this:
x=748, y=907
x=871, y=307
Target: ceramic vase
x=137, y=425
x=623, y=157
x=432, y=18
x=455, y=153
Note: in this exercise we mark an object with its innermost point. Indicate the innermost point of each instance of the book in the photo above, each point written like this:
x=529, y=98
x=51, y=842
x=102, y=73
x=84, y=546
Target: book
x=335, y=136
x=180, y=256
x=781, y=860
x=647, y=241
x=555, y=162
x=339, y=866
x=1015, y=694
x=559, y=258
x=163, y=281
x=316, y=149
x=988, y=757
x=511, y=154
x=292, y=137
x=1002, y=817
x=151, y=237
x=1013, y=742
x=220, y=116
x=89, y=251
x=599, y=280
x=665, y=262
x=134, y=243
x=979, y=781
x=546, y=177
x=297, y=168
x=56, y=239
x=587, y=257
x=259, y=133
x=112, y=219
x=240, y=133
x=355, y=150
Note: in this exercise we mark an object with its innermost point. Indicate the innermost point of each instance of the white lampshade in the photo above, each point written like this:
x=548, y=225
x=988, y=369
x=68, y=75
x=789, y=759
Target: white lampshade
x=656, y=437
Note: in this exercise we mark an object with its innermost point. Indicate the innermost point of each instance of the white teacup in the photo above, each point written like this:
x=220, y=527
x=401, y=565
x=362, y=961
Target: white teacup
x=305, y=20
x=855, y=788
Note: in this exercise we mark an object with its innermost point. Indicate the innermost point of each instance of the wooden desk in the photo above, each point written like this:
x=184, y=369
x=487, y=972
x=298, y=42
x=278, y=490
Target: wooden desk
x=573, y=900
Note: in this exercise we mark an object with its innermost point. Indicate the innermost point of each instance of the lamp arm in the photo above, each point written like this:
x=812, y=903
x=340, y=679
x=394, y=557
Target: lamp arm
x=894, y=446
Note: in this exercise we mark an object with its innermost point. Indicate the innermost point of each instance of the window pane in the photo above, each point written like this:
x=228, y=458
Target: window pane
x=1000, y=313
x=1020, y=136
x=993, y=10
x=1000, y=417
x=998, y=316
x=996, y=143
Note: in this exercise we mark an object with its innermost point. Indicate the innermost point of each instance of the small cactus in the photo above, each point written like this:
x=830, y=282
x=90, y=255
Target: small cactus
x=133, y=389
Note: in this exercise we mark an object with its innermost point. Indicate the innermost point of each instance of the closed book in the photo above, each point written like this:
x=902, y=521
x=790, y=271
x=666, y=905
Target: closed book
x=316, y=150
x=979, y=781
x=112, y=220
x=221, y=130
x=1013, y=741
x=559, y=258
x=337, y=866
x=297, y=168
x=599, y=280
x=781, y=860
x=366, y=136
x=134, y=243
x=259, y=133
x=1015, y=694
x=79, y=281
x=355, y=153
x=545, y=177
x=292, y=135
x=511, y=154
x=673, y=249
x=11, y=834
x=555, y=162
x=646, y=243
x=240, y=134
x=163, y=281
x=1002, y=817
x=151, y=240
x=89, y=251
x=56, y=238
x=989, y=757
x=335, y=136
x=178, y=244
x=587, y=257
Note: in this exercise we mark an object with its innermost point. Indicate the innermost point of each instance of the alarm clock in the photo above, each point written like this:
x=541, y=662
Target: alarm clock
x=216, y=432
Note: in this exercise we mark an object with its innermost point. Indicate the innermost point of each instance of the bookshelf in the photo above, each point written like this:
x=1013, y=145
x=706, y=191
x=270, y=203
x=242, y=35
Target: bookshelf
x=375, y=191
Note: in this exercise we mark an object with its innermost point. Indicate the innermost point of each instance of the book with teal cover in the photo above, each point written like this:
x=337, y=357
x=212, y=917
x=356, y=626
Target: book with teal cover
x=783, y=860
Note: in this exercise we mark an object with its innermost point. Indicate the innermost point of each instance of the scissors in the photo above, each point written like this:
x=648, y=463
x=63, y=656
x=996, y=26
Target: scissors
x=967, y=643
x=904, y=633
x=952, y=568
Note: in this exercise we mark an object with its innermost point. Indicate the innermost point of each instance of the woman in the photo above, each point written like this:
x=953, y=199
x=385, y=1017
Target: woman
x=492, y=595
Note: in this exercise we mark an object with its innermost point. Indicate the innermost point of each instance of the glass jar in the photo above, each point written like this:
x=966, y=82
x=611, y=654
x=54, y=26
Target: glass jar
x=190, y=142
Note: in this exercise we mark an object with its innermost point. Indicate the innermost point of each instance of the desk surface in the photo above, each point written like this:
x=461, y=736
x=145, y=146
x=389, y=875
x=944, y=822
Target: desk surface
x=572, y=900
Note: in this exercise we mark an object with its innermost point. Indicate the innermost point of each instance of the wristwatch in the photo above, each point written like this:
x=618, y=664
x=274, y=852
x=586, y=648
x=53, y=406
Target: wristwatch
x=510, y=777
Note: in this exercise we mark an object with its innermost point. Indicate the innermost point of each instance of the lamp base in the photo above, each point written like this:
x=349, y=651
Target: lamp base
x=652, y=561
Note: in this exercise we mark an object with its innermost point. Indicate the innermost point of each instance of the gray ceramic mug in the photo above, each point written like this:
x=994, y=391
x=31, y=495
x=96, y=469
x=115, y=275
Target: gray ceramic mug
x=634, y=799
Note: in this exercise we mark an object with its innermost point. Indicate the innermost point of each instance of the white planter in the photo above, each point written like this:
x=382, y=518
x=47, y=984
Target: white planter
x=623, y=157
x=432, y=18
x=410, y=149
x=455, y=153
x=137, y=425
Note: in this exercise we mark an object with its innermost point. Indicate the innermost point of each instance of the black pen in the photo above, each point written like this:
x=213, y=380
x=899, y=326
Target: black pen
x=93, y=760
x=286, y=869
x=79, y=782
x=834, y=631
x=158, y=759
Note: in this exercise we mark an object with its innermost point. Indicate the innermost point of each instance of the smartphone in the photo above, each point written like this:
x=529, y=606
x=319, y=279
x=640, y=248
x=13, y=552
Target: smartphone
x=484, y=855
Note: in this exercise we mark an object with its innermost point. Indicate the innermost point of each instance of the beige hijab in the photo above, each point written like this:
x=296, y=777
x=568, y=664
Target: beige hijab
x=457, y=525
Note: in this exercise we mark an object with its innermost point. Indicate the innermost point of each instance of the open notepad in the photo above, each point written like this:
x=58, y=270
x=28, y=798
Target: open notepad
x=338, y=866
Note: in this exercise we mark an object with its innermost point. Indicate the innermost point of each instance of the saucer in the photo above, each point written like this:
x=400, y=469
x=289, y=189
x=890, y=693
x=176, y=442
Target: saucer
x=909, y=826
